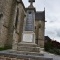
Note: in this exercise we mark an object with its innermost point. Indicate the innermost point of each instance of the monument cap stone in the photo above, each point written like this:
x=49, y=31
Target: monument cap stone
x=31, y=4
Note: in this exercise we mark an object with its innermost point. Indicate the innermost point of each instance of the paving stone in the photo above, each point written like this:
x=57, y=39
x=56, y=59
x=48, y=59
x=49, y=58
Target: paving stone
x=24, y=56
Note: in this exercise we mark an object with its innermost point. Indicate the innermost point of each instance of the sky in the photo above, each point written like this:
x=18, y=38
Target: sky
x=52, y=16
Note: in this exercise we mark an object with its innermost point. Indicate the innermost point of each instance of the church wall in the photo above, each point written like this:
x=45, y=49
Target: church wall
x=1, y=5
x=17, y=35
x=10, y=25
x=1, y=22
x=40, y=32
x=3, y=36
x=21, y=21
x=7, y=16
x=36, y=31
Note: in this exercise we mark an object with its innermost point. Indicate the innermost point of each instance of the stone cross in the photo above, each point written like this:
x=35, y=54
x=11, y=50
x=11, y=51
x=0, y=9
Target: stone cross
x=31, y=1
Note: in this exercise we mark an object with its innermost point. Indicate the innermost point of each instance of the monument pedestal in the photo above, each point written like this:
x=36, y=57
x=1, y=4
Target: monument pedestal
x=28, y=36
x=28, y=43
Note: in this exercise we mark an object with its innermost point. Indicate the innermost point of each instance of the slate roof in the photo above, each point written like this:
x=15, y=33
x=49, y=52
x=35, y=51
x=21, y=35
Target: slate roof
x=40, y=15
x=47, y=38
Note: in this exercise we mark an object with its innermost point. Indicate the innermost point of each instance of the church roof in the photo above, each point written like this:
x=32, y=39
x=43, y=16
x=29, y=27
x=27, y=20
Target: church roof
x=47, y=38
x=40, y=15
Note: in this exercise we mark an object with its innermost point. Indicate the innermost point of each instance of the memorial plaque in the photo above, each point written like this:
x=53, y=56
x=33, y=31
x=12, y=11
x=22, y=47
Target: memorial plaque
x=28, y=38
x=29, y=23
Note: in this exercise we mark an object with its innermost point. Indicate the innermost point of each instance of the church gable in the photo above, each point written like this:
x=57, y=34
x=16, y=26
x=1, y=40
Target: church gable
x=40, y=15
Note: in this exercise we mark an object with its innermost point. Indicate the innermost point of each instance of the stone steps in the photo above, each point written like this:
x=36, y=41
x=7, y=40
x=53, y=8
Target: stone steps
x=27, y=44
x=25, y=53
x=28, y=47
x=12, y=54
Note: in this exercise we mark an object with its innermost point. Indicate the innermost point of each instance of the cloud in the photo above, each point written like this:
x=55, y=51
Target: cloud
x=53, y=19
x=58, y=32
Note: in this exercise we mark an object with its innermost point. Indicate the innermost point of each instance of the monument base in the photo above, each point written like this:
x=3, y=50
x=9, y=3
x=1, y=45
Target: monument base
x=16, y=55
x=28, y=47
x=28, y=37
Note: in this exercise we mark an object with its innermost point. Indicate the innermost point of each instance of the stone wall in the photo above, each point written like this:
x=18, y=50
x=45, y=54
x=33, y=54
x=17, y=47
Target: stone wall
x=39, y=31
x=1, y=5
x=17, y=35
x=8, y=9
x=6, y=32
x=41, y=34
x=23, y=57
x=10, y=24
x=1, y=22
x=22, y=15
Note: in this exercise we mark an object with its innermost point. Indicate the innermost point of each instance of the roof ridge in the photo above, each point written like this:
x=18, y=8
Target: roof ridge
x=39, y=11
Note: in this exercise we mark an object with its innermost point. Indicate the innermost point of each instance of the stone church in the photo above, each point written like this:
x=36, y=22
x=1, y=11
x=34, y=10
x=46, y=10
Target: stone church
x=12, y=21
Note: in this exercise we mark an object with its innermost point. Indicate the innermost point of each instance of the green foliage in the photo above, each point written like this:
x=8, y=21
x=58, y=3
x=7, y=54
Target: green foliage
x=49, y=47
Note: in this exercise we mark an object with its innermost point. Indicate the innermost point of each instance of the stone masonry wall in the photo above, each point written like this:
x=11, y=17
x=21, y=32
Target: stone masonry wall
x=39, y=31
x=11, y=27
x=1, y=5
x=17, y=35
x=7, y=17
x=41, y=34
x=8, y=58
x=8, y=9
x=1, y=17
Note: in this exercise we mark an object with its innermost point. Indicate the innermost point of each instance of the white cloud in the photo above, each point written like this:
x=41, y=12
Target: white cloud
x=53, y=19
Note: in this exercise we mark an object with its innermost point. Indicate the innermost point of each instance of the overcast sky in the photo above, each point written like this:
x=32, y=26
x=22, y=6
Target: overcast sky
x=52, y=16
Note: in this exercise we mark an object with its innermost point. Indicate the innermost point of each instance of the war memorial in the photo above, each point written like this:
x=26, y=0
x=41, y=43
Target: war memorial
x=22, y=29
